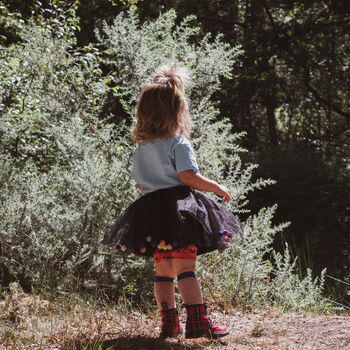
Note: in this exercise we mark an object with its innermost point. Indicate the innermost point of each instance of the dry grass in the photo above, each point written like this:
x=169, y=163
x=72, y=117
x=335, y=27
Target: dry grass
x=69, y=323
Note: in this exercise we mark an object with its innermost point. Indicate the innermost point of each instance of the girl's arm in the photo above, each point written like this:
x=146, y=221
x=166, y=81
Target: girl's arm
x=199, y=182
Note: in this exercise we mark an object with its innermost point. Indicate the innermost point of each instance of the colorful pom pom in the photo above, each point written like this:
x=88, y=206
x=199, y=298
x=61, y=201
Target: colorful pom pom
x=225, y=232
x=169, y=246
x=118, y=246
x=123, y=248
x=162, y=242
x=230, y=234
x=164, y=247
x=221, y=233
x=142, y=250
x=159, y=246
x=149, y=239
x=227, y=238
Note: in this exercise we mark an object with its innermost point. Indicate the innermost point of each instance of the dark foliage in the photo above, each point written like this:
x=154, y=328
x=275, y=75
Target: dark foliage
x=290, y=91
x=313, y=194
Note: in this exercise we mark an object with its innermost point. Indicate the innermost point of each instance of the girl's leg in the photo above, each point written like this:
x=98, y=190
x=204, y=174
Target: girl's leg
x=198, y=324
x=187, y=282
x=164, y=292
x=164, y=289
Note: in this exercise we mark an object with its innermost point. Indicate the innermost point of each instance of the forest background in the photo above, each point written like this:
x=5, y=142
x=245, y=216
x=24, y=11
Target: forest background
x=289, y=93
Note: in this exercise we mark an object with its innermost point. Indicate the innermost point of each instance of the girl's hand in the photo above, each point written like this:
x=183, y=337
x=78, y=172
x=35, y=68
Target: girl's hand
x=224, y=192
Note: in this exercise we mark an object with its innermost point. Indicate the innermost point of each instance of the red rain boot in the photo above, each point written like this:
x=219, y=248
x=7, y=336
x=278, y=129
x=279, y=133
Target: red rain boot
x=198, y=323
x=171, y=326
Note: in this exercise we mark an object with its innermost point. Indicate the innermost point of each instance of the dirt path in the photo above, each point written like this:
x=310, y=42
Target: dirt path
x=269, y=330
x=287, y=331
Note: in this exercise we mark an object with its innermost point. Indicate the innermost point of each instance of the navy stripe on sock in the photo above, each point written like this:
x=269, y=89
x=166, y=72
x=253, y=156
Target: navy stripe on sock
x=163, y=279
x=185, y=275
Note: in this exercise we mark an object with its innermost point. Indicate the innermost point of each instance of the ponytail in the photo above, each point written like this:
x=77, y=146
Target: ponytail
x=162, y=109
x=175, y=76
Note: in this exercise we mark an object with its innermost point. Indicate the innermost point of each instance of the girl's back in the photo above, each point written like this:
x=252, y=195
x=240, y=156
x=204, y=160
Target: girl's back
x=157, y=163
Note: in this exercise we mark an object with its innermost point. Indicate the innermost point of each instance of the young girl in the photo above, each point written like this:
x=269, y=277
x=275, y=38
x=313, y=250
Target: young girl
x=173, y=221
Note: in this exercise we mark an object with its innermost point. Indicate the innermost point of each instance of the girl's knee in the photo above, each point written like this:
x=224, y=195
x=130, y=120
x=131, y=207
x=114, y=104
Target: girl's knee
x=184, y=265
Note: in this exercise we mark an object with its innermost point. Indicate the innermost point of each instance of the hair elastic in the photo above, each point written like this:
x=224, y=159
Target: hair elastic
x=185, y=275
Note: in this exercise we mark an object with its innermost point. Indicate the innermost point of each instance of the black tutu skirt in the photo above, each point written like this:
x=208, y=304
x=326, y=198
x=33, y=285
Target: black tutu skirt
x=173, y=218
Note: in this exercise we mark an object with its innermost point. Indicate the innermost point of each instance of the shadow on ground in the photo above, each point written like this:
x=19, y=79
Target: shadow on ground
x=143, y=343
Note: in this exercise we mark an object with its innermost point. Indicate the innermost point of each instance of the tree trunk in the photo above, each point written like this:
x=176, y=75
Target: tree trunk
x=271, y=120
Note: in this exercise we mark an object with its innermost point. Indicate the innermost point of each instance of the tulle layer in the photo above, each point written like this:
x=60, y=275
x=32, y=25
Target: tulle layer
x=173, y=218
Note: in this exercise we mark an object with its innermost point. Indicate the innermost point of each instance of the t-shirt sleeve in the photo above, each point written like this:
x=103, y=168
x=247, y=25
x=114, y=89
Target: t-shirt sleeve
x=185, y=158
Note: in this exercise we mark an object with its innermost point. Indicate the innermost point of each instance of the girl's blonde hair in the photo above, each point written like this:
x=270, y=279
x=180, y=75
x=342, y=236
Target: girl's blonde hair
x=162, y=108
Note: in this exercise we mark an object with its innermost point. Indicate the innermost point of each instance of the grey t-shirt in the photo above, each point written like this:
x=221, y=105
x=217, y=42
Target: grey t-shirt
x=157, y=163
